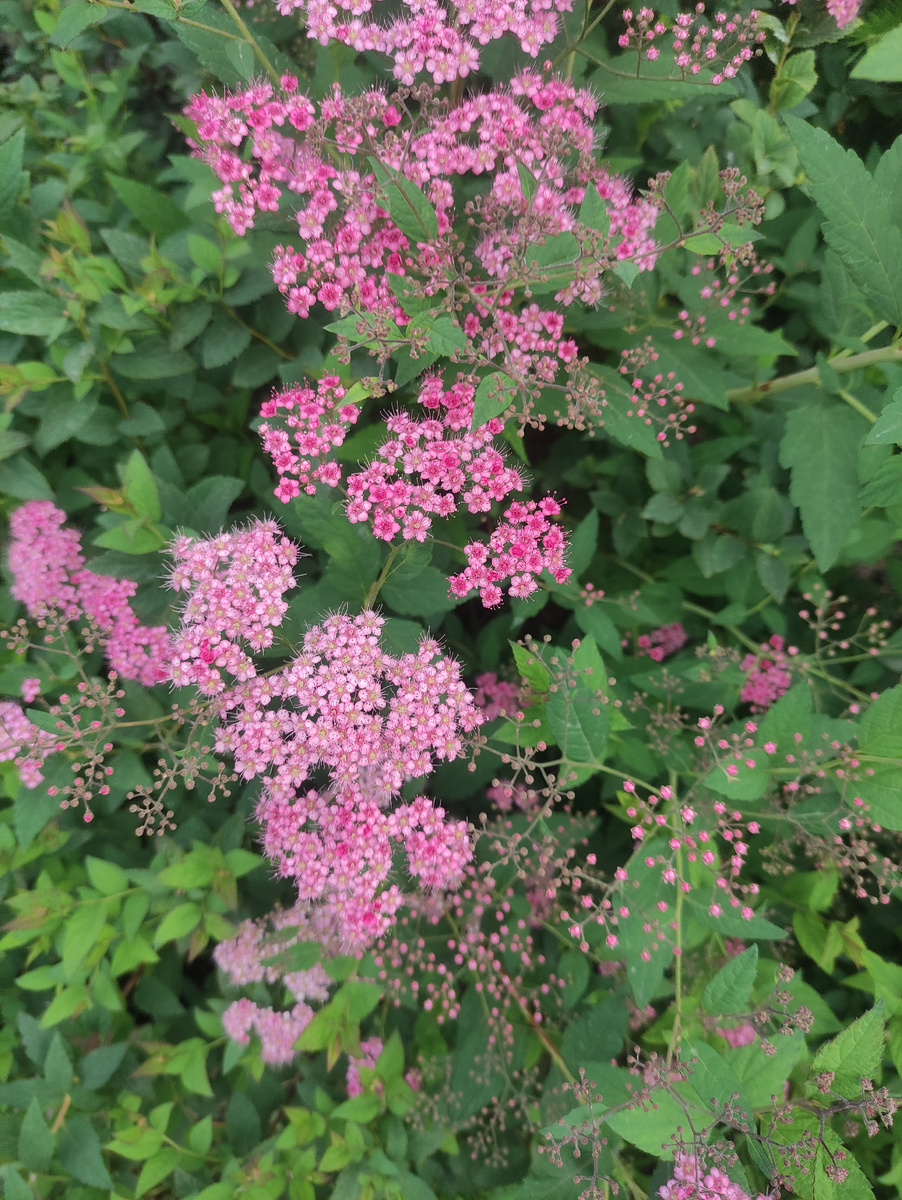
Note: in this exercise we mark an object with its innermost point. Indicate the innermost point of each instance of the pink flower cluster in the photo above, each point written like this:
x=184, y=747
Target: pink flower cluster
x=350, y=245
x=368, y=1057
x=423, y=471
x=23, y=742
x=520, y=547
x=496, y=697
x=277, y=1031
x=443, y=39
x=342, y=708
x=739, y=1035
x=657, y=399
x=49, y=577
x=235, y=585
x=662, y=642
x=320, y=423
x=696, y=44
x=843, y=12
x=767, y=675
x=691, y=1181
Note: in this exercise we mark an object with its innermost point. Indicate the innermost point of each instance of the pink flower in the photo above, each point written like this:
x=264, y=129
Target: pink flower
x=370, y=1051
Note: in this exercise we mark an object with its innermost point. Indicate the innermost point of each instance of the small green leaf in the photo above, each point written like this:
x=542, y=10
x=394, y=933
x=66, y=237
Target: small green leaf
x=888, y=427
x=33, y=313
x=79, y=1152
x=140, y=487
x=593, y=211
x=854, y=1054
x=493, y=396
x=178, y=923
x=156, y=1169
x=155, y=211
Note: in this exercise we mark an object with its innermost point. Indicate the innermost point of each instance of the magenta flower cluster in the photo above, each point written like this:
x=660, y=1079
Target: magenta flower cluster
x=767, y=674
x=49, y=578
x=442, y=39
x=662, y=642
x=319, y=425
x=350, y=247
x=424, y=470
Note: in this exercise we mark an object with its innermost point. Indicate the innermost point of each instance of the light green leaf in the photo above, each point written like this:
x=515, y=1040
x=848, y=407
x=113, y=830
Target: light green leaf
x=820, y=446
x=106, y=876
x=494, y=394
x=140, y=487
x=859, y=215
x=883, y=60
x=177, y=923
x=156, y=1169
x=75, y=19
x=81, y=933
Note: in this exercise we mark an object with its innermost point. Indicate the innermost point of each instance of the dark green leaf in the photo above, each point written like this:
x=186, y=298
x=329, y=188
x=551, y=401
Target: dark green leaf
x=35, y=1139
x=406, y=204
x=79, y=1152
x=155, y=211
x=728, y=992
x=32, y=313
x=888, y=427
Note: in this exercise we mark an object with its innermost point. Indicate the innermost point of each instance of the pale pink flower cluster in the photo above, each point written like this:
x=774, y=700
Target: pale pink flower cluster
x=319, y=425
x=49, y=577
x=696, y=44
x=521, y=546
x=24, y=742
x=767, y=675
x=692, y=1181
x=662, y=642
x=443, y=39
x=425, y=469
x=242, y=956
x=277, y=1031
x=350, y=246
x=343, y=708
x=368, y=1057
x=235, y=584
x=843, y=12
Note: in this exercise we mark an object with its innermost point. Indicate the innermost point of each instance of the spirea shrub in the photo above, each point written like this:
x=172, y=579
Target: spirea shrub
x=514, y=741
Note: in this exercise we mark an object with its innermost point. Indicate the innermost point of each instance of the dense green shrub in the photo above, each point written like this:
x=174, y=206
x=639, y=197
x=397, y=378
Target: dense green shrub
x=676, y=945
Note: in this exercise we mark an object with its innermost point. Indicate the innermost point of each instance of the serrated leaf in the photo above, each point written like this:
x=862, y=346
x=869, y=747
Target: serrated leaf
x=36, y=1142
x=79, y=1152
x=11, y=183
x=860, y=226
x=406, y=204
x=593, y=212
x=728, y=992
x=820, y=446
x=854, y=1054
x=75, y=19
x=887, y=430
x=493, y=395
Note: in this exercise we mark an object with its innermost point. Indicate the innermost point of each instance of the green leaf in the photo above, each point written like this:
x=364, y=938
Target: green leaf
x=795, y=79
x=428, y=597
x=11, y=176
x=854, y=1054
x=888, y=427
x=580, y=723
x=32, y=313
x=715, y=1083
x=36, y=1142
x=131, y=537
x=651, y=1127
x=140, y=487
x=859, y=214
x=774, y=575
x=618, y=416
x=820, y=446
x=597, y=1036
x=106, y=876
x=14, y=1186
x=880, y=731
x=728, y=992
x=153, y=359
x=79, y=1152
x=406, y=204
x=23, y=481
x=882, y=792
x=81, y=933
x=445, y=336
x=222, y=341
x=178, y=923
x=494, y=394
x=593, y=212
x=883, y=60
x=98, y=1066
x=155, y=211
x=156, y=1169
x=75, y=19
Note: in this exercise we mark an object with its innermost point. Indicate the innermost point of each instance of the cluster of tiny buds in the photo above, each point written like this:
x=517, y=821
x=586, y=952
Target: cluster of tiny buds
x=726, y=43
